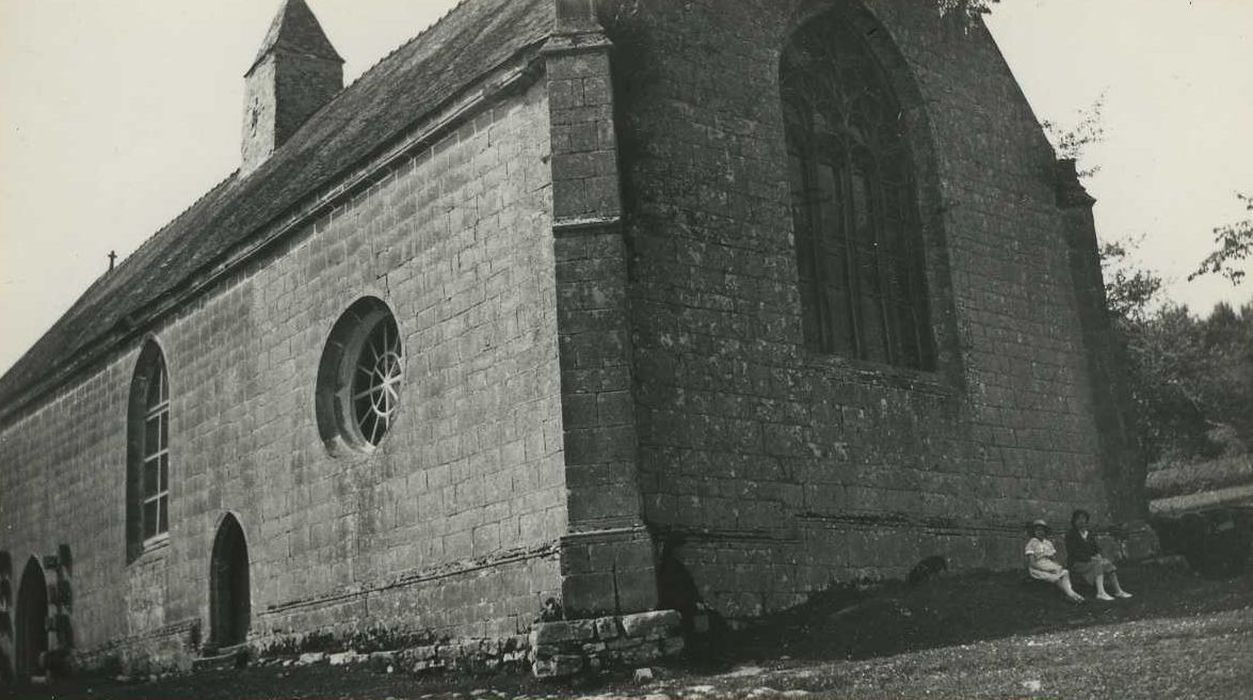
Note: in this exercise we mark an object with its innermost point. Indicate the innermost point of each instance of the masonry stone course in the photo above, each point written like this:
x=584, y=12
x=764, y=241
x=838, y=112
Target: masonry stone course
x=241, y=416
x=726, y=398
x=588, y=252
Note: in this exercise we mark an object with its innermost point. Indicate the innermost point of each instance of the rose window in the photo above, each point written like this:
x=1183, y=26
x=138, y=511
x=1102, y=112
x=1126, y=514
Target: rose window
x=359, y=380
x=376, y=383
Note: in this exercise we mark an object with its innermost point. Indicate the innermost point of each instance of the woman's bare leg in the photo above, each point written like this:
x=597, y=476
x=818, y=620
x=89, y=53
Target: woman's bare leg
x=1116, y=586
x=1064, y=584
x=1100, y=588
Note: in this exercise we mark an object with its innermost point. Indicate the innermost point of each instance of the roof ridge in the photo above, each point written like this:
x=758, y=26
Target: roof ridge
x=152, y=238
x=384, y=101
x=98, y=284
x=405, y=44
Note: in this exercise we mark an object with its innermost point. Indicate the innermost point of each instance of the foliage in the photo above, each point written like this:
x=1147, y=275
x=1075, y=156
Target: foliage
x=1130, y=291
x=1074, y=140
x=1191, y=382
x=1226, y=339
x=967, y=10
x=1190, y=378
x=1189, y=479
x=1163, y=361
x=1234, y=245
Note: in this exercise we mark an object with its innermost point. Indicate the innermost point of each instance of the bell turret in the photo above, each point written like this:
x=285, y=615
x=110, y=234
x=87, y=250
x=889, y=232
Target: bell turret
x=296, y=72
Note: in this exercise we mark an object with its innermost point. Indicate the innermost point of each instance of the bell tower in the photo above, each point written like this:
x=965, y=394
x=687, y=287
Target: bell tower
x=295, y=74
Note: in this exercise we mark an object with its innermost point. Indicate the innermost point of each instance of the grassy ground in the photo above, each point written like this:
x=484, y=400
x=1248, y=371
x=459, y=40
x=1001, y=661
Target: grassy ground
x=991, y=635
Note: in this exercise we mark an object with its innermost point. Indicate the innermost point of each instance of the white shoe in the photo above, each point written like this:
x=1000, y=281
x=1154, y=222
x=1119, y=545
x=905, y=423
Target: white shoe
x=1104, y=596
x=1122, y=594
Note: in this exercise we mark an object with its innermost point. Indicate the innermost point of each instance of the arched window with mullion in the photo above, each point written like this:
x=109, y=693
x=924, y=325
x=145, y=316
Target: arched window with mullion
x=858, y=241
x=148, y=453
x=156, y=472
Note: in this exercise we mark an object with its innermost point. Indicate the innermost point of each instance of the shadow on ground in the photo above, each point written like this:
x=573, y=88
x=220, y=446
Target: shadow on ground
x=833, y=626
x=846, y=624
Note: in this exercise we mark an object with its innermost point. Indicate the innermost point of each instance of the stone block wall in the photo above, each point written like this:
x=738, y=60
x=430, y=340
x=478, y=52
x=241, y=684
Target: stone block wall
x=785, y=469
x=607, y=556
x=595, y=281
x=450, y=527
x=283, y=91
x=568, y=648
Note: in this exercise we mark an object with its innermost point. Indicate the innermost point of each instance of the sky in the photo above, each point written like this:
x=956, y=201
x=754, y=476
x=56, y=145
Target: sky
x=116, y=115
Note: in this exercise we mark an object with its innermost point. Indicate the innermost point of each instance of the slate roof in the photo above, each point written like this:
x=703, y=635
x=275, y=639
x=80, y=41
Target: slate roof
x=296, y=30
x=470, y=41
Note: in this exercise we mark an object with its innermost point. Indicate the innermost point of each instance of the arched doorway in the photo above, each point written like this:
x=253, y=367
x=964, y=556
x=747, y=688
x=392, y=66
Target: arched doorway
x=31, y=634
x=230, y=600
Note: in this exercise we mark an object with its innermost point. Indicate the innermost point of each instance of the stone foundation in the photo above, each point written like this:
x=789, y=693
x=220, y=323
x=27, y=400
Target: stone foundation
x=462, y=656
x=571, y=647
x=553, y=649
x=169, y=649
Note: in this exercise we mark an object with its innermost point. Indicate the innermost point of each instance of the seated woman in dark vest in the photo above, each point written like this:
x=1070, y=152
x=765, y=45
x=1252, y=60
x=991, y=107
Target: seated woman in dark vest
x=1086, y=560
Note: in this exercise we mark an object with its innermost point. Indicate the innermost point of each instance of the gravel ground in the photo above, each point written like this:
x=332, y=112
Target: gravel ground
x=987, y=636
x=1210, y=656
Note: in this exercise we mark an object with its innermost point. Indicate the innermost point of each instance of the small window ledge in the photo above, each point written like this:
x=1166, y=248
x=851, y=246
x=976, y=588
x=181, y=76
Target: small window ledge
x=152, y=548
x=840, y=368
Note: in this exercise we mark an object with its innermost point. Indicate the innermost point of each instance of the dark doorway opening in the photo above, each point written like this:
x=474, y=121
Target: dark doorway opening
x=230, y=600
x=31, y=622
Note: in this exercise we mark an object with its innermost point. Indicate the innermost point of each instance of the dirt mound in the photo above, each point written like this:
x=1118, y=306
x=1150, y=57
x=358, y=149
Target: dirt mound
x=857, y=623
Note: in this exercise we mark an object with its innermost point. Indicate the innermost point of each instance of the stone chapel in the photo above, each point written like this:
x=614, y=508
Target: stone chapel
x=793, y=290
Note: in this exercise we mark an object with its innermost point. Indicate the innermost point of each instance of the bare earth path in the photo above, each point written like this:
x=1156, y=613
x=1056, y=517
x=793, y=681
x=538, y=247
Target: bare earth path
x=1209, y=656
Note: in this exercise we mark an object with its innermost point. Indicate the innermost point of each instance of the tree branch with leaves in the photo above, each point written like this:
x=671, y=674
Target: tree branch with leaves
x=1233, y=245
x=1073, y=142
x=969, y=10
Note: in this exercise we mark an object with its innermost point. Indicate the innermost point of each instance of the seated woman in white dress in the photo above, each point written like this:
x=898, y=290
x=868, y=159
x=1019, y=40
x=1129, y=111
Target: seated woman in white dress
x=1041, y=564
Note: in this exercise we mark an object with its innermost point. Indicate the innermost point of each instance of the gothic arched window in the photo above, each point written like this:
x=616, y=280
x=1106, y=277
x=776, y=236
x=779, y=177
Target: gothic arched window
x=854, y=204
x=148, y=460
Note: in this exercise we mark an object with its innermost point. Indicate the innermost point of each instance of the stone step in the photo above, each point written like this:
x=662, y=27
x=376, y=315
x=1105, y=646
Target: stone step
x=227, y=657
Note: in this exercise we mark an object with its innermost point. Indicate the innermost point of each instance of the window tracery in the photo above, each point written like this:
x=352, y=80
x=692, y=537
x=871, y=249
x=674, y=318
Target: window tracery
x=859, y=247
x=360, y=377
